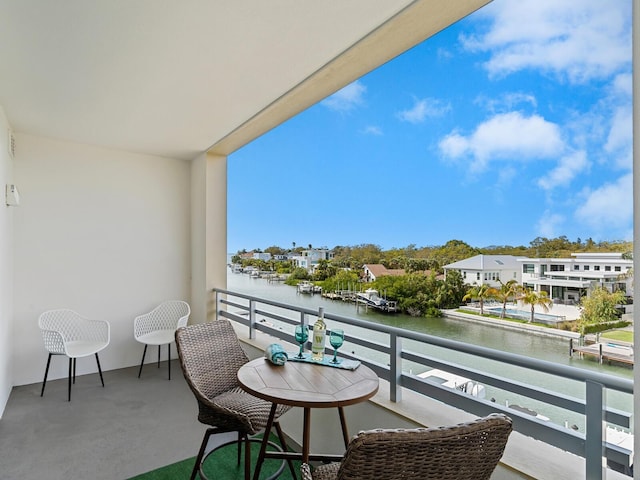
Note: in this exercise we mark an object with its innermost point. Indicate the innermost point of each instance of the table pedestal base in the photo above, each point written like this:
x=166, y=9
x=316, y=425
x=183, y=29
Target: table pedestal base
x=305, y=456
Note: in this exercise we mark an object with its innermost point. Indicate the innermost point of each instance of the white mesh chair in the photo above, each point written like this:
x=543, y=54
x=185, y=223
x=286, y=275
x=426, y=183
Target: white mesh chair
x=66, y=332
x=158, y=327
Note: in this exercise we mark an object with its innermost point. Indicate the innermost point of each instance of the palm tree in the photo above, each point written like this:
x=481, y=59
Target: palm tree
x=507, y=291
x=481, y=293
x=530, y=297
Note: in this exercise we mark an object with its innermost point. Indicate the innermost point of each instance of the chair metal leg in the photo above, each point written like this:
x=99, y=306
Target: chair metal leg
x=247, y=457
x=142, y=362
x=69, y=387
x=169, y=358
x=99, y=369
x=74, y=370
x=159, y=355
x=46, y=372
x=239, y=447
x=203, y=446
x=283, y=444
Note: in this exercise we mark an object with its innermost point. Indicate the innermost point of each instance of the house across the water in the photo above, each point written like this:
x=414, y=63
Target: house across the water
x=565, y=280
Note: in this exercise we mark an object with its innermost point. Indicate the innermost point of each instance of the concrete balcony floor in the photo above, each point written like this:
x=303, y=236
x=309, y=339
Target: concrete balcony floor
x=126, y=428
x=135, y=425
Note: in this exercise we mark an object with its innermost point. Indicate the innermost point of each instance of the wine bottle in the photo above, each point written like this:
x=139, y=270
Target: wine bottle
x=319, y=335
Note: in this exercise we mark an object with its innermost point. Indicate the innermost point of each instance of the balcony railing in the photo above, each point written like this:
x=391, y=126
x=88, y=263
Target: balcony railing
x=389, y=344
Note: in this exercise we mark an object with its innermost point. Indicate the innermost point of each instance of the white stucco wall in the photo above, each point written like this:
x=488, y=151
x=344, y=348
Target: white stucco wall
x=6, y=268
x=208, y=233
x=103, y=232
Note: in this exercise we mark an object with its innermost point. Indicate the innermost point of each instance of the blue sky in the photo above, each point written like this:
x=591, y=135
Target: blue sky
x=513, y=123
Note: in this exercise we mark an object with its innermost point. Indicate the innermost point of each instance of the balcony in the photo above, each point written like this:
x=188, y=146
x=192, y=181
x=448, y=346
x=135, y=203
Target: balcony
x=122, y=211
x=148, y=423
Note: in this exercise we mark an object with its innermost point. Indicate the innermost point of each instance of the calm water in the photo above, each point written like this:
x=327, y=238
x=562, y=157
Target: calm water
x=523, y=343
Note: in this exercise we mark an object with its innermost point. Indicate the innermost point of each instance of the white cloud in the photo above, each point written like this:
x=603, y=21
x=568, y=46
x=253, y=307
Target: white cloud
x=423, y=108
x=372, y=130
x=454, y=145
x=610, y=206
x=587, y=129
x=548, y=224
x=578, y=39
x=508, y=136
x=620, y=139
x=346, y=98
x=568, y=167
x=507, y=102
x=603, y=127
x=623, y=85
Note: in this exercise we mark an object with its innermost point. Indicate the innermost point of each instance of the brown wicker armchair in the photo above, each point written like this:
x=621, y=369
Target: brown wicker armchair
x=210, y=356
x=468, y=451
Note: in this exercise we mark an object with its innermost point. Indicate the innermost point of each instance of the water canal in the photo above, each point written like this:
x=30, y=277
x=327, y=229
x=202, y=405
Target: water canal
x=525, y=343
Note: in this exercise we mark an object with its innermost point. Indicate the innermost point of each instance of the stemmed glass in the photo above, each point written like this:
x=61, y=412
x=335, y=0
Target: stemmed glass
x=336, y=339
x=302, y=335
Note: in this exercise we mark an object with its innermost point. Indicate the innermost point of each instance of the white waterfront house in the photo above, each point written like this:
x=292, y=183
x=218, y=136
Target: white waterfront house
x=567, y=279
x=310, y=258
x=488, y=269
x=262, y=256
x=564, y=279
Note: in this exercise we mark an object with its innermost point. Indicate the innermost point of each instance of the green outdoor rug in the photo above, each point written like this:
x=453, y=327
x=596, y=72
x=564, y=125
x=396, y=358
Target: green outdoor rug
x=220, y=465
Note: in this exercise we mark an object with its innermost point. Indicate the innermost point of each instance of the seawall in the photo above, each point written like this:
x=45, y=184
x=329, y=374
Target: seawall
x=535, y=329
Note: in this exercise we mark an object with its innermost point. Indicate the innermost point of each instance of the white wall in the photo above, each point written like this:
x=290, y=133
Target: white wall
x=103, y=232
x=216, y=228
x=6, y=268
x=208, y=233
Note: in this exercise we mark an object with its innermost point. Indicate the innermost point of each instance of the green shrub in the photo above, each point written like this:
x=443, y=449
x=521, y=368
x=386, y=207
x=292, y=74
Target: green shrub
x=601, y=327
x=433, y=312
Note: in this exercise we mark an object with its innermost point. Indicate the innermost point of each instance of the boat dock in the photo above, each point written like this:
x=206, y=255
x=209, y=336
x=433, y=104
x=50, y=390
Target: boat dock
x=344, y=295
x=611, y=352
x=274, y=277
x=369, y=299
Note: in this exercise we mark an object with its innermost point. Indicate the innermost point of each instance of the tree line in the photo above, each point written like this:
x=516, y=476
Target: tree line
x=413, y=259
x=423, y=292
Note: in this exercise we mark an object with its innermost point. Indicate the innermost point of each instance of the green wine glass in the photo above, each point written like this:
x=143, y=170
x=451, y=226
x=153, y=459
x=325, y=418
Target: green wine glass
x=302, y=335
x=336, y=339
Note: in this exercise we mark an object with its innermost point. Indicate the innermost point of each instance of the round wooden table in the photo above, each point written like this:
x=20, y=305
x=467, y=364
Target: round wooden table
x=306, y=385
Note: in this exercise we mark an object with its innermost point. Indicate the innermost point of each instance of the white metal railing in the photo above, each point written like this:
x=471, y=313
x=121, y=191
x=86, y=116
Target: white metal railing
x=591, y=445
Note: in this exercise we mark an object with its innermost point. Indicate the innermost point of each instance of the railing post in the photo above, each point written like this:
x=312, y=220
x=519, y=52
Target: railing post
x=252, y=320
x=595, y=428
x=217, y=302
x=395, y=372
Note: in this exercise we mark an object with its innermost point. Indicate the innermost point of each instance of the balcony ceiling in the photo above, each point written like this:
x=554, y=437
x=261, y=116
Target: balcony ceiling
x=180, y=78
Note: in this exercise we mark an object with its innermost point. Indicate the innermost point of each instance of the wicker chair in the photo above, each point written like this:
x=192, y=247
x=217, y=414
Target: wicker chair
x=158, y=327
x=210, y=356
x=66, y=332
x=468, y=451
